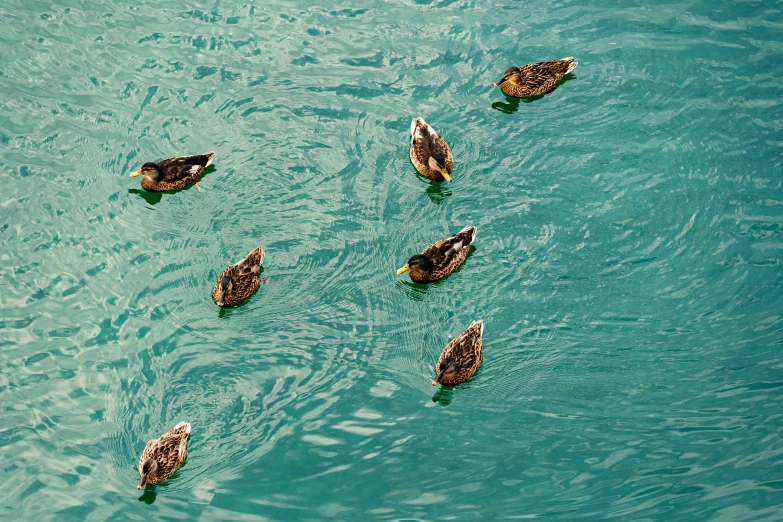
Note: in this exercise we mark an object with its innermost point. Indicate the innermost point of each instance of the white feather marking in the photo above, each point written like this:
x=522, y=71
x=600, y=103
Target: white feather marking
x=194, y=169
x=458, y=246
x=481, y=326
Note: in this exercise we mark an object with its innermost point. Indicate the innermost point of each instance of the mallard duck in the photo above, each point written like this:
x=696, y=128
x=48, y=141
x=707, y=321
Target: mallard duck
x=173, y=173
x=535, y=78
x=162, y=457
x=461, y=357
x=440, y=258
x=430, y=153
x=239, y=281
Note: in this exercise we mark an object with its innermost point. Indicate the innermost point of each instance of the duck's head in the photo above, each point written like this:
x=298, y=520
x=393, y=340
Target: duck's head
x=419, y=261
x=148, y=170
x=446, y=368
x=149, y=468
x=225, y=287
x=438, y=163
x=511, y=74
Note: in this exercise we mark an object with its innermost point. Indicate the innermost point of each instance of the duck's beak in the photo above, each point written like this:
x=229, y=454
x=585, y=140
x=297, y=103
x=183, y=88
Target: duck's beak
x=141, y=484
x=403, y=269
x=220, y=299
x=135, y=173
x=445, y=174
x=501, y=80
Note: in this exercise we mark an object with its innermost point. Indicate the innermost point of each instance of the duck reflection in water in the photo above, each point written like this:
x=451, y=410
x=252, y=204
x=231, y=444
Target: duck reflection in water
x=443, y=396
x=438, y=192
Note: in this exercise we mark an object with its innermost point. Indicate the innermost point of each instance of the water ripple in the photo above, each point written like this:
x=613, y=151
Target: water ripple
x=626, y=265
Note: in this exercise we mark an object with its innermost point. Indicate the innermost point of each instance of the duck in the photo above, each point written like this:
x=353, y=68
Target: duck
x=461, y=357
x=173, y=173
x=163, y=456
x=535, y=78
x=430, y=153
x=441, y=257
x=239, y=281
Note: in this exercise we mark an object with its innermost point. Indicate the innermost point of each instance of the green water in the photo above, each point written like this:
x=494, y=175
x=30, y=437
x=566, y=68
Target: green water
x=627, y=264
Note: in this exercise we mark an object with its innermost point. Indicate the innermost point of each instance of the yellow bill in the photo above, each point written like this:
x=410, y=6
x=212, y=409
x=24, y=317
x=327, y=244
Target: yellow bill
x=135, y=173
x=445, y=174
x=403, y=269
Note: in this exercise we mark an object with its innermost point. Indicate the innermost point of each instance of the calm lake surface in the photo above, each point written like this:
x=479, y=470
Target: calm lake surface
x=627, y=264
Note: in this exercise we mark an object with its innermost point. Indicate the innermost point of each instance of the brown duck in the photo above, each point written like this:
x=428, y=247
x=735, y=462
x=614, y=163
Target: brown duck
x=441, y=257
x=430, y=153
x=461, y=357
x=162, y=457
x=535, y=78
x=239, y=281
x=173, y=173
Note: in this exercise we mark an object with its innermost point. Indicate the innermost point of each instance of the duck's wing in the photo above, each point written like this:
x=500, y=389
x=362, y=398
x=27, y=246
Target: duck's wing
x=170, y=453
x=546, y=74
x=466, y=348
x=183, y=167
x=452, y=249
x=421, y=140
x=146, y=453
x=245, y=283
x=225, y=273
x=243, y=275
x=439, y=146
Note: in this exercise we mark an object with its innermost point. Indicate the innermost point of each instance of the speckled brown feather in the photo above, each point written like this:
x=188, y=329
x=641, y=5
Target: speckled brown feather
x=169, y=451
x=444, y=256
x=466, y=352
x=177, y=173
x=537, y=78
x=424, y=143
x=244, y=279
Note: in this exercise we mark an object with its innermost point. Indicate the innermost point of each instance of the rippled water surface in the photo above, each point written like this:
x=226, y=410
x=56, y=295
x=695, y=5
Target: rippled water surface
x=627, y=264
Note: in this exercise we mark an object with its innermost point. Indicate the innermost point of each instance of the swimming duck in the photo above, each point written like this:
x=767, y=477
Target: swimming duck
x=441, y=257
x=173, y=173
x=535, y=78
x=239, y=281
x=461, y=357
x=162, y=457
x=430, y=153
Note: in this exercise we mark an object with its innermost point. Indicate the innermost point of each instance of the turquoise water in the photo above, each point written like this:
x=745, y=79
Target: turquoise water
x=627, y=264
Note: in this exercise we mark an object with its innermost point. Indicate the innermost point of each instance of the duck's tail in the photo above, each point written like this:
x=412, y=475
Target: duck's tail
x=479, y=324
x=254, y=259
x=422, y=129
x=183, y=427
x=462, y=239
x=415, y=124
x=571, y=65
x=469, y=232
